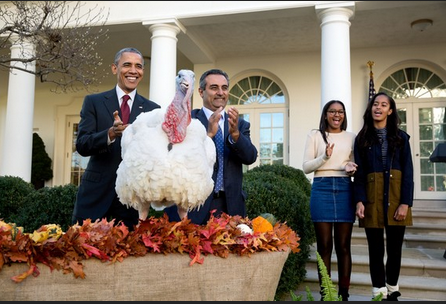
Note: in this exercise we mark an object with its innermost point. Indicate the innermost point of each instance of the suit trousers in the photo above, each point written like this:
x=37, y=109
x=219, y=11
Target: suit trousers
x=218, y=204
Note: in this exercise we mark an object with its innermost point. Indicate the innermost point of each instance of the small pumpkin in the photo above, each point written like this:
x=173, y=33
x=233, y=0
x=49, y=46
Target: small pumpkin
x=270, y=218
x=260, y=224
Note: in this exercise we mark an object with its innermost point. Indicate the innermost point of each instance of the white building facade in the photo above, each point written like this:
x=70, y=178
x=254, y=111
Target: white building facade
x=285, y=60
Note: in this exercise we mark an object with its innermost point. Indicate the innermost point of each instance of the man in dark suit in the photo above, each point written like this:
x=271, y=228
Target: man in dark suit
x=238, y=149
x=99, y=136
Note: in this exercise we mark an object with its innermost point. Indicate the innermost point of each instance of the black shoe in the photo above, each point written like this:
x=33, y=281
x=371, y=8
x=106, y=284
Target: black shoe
x=393, y=296
x=343, y=292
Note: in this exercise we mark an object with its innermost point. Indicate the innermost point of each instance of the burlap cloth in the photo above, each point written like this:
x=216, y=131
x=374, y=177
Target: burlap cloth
x=154, y=277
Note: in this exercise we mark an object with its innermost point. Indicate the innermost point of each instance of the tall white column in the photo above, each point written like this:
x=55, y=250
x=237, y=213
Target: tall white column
x=163, y=64
x=16, y=156
x=335, y=53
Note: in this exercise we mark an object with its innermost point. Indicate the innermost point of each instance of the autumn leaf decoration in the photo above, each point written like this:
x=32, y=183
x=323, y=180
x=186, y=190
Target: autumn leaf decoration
x=65, y=251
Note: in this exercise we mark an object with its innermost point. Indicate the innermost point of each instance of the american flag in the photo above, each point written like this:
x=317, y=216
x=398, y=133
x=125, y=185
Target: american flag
x=371, y=86
x=371, y=83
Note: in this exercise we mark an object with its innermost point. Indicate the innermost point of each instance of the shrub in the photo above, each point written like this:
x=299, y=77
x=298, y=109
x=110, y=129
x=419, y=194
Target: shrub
x=47, y=206
x=13, y=191
x=155, y=213
x=283, y=191
x=41, y=163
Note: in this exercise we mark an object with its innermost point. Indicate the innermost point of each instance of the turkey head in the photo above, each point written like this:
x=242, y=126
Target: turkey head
x=178, y=113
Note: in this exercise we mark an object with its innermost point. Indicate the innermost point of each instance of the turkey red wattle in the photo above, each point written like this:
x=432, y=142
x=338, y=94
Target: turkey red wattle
x=178, y=113
x=175, y=124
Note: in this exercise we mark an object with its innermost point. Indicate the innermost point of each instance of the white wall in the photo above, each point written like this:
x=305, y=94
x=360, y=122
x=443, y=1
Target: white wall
x=299, y=72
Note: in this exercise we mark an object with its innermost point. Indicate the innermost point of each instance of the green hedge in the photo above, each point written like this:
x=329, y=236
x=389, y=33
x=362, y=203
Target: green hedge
x=47, y=206
x=13, y=190
x=283, y=191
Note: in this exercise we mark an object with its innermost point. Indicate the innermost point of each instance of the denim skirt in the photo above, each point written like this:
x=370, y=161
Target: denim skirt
x=331, y=200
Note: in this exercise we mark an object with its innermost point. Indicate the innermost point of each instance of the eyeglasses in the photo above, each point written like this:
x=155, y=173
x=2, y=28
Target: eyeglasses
x=333, y=112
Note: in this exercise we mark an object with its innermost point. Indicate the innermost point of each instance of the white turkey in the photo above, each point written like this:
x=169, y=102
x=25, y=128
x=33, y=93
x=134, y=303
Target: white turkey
x=167, y=157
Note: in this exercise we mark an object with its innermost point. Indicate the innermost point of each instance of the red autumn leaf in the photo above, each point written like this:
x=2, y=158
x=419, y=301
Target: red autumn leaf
x=152, y=242
x=94, y=251
x=109, y=242
x=207, y=247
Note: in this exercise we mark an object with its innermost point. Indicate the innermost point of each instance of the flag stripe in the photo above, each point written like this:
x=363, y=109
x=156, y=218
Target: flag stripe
x=371, y=87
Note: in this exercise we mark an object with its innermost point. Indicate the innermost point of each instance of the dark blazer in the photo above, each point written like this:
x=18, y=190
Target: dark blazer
x=235, y=155
x=96, y=191
x=381, y=189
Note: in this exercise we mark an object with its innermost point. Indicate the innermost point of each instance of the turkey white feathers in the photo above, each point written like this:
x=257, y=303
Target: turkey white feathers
x=167, y=157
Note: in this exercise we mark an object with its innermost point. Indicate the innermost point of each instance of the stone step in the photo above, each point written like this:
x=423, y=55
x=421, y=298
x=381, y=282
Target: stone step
x=423, y=274
x=429, y=204
x=353, y=297
x=411, y=240
x=425, y=229
x=429, y=216
x=425, y=241
x=420, y=262
x=411, y=287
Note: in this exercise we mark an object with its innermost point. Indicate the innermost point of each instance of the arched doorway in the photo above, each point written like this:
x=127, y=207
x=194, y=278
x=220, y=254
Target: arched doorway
x=420, y=95
x=261, y=100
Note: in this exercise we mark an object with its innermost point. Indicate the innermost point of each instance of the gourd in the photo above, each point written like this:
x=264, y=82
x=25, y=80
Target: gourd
x=259, y=224
x=263, y=223
x=245, y=229
x=270, y=218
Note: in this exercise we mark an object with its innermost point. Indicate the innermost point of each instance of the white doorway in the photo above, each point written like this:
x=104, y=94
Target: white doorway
x=75, y=164
x=425, y=122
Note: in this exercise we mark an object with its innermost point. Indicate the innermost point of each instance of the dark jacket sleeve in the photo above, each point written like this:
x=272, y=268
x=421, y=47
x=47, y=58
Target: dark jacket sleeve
x=407, y=183
x=359, y=184
x=96, y=119
x=243, y=148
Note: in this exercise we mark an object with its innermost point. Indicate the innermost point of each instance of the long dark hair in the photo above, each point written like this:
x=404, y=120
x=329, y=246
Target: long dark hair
x=323, y=123
x=367, y=135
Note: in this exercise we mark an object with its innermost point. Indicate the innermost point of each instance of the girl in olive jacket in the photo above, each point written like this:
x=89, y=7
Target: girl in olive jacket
x=383, y=191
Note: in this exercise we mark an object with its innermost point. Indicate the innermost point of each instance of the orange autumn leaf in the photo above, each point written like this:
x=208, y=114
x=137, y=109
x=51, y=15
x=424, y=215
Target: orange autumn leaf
x=31, y=271
x=196, y=257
